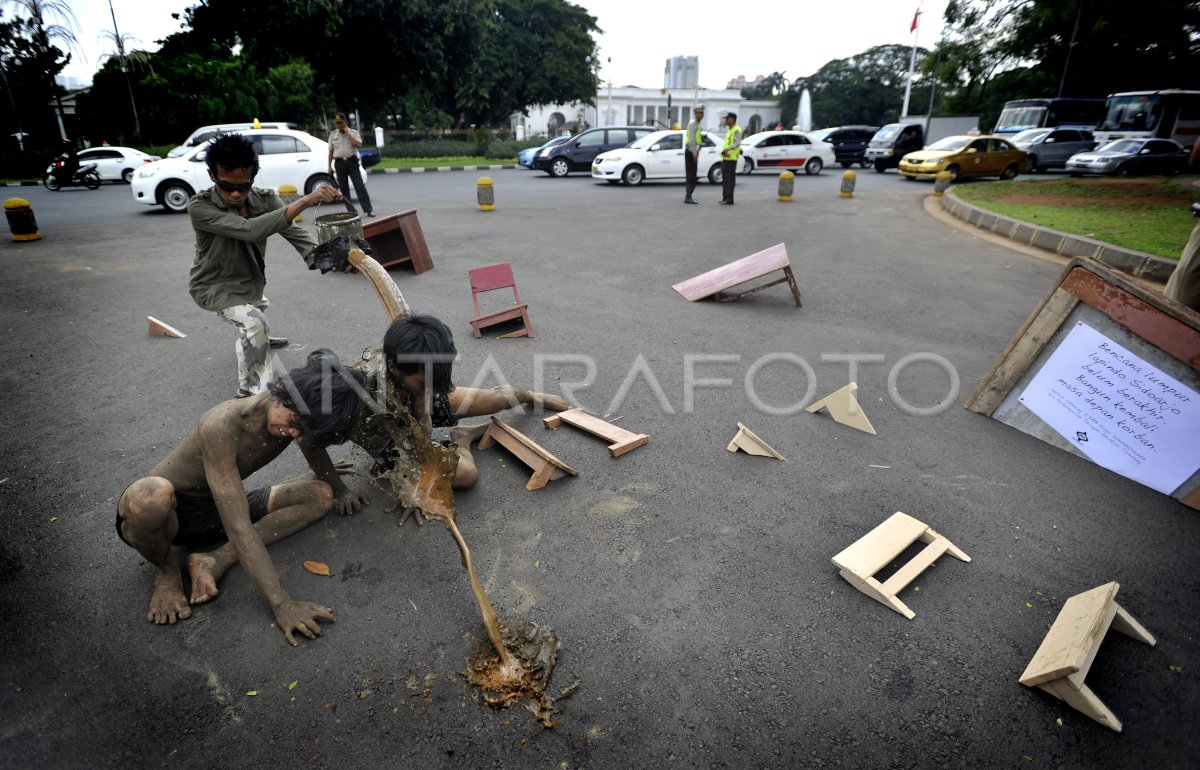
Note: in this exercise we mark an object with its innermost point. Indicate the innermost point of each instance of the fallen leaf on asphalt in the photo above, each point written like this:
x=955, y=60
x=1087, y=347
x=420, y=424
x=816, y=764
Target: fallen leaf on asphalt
x=1027, y=604
x=317, y=567
x=1058, y=721
x=252, y=693
x=292, y=686
x=1176, y=668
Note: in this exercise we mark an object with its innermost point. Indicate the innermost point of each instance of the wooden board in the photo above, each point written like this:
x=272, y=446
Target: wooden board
x=1162, y=332
x=742, y=271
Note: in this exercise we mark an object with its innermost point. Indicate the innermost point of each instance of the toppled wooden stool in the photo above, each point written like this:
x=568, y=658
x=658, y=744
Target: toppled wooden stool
x=620, y=440
x=546, y=467
x=714, y=282
x=1062, y=661
x=397, y=239
x=880, y=546
x=160, y=329
x=844, y=408
x=751, y=444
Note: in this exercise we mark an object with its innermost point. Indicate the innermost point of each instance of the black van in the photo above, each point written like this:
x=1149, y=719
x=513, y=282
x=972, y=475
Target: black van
x=849, y=142
x=578, y=153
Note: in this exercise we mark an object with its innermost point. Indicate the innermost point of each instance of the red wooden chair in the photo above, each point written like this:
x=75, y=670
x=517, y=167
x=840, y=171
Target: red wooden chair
x=498, y=277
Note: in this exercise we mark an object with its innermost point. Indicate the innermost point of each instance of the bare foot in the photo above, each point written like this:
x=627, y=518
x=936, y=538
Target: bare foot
x=465, y=435
x=203, y=570
x=167, y=603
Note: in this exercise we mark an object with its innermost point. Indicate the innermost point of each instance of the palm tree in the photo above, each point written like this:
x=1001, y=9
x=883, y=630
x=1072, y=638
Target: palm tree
x=120, y=40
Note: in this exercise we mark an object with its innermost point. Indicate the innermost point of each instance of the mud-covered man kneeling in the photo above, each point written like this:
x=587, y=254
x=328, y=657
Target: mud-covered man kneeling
x=195, y=497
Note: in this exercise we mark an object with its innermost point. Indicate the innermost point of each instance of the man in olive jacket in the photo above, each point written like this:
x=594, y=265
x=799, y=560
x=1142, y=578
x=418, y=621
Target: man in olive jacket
x=232, y=220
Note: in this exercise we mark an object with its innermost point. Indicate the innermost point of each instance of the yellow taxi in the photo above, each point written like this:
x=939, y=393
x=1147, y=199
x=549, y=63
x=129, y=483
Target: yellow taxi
x=965, y=156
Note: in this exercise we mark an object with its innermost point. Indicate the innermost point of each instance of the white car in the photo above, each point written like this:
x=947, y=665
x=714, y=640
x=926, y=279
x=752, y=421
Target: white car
x=656, y=156
x=114, y=164
x=791, y=150
x=284, y=157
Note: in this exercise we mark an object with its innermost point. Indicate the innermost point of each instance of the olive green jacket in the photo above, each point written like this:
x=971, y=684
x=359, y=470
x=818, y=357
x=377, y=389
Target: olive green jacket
x=230, y=268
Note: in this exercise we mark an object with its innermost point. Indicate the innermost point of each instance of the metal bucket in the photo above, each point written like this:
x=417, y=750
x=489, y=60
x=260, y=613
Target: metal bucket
x=331, y=226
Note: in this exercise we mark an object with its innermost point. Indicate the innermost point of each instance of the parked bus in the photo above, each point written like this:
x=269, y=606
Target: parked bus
x=1021, y=114
x=1170, y=114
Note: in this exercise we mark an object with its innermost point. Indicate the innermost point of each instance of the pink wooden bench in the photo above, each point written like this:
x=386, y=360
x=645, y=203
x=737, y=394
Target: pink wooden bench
x=717, y=281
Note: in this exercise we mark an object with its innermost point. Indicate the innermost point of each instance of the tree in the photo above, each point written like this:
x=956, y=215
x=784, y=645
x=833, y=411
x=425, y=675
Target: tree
x=1089, y=48
x=867, y=88
x=31, y=63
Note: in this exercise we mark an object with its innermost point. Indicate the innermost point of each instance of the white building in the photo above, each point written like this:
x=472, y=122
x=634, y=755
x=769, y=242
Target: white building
x=659, y=107
x=682, y=72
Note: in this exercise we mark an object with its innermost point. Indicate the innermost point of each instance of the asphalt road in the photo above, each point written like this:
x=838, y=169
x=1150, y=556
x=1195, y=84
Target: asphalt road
x=691, y=587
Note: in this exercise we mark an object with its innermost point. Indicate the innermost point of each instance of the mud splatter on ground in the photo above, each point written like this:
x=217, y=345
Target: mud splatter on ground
x=534, y=649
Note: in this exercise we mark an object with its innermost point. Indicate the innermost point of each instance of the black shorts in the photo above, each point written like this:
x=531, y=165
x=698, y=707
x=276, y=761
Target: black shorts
x=199, y=519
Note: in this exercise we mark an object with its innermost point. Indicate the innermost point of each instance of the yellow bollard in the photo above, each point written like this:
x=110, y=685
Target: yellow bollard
x=288, y=194
x=787, y=182
x=848, y=181
x=940, y=183
x=484, y=193
x=21, y=220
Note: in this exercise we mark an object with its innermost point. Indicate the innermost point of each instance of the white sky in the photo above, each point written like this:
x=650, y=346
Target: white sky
x=755, y=38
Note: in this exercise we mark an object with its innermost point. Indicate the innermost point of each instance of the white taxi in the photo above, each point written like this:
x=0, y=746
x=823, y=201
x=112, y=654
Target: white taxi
x=657, y=156
x=779, y=150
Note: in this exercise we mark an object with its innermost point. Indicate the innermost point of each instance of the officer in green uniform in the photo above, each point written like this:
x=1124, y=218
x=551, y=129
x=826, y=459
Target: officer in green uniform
x=731, y=151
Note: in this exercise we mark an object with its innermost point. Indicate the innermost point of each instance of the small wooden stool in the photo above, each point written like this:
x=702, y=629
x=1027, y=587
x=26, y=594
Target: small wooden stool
x=546, y=467
x=1066, y=654
x=883, y=544
x=620, y=440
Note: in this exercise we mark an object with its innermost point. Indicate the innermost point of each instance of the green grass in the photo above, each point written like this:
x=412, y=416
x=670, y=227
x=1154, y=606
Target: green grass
x=457, y=160
x=1149, y=215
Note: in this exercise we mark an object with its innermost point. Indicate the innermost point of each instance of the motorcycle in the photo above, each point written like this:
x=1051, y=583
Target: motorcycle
x=86, y=176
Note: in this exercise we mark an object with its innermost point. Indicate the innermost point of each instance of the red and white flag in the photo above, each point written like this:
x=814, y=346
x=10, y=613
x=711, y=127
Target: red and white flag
x=916, y=18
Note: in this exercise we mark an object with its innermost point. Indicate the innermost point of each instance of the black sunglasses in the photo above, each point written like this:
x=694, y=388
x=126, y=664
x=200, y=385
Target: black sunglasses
x=230, y=186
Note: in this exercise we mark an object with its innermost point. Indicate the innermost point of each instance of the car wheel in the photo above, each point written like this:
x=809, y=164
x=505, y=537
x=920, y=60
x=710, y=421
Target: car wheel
x=1010, y=172
x=813, y=167
x=1031, y=164
x=714, y=174
x=747, y=165
x=127, y=176
x=317, y=179
x=910, y=177
x=560, y=167
x=174, y=196
x=880, y=166
x=847, y=163
x=953, y=173
x=51, y=182
x=633, y=174
x=1122, y=170
x=864, y=163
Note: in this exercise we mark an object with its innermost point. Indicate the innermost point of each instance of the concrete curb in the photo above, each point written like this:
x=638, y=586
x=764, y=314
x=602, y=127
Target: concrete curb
x=1135, y=263
x=430, y=169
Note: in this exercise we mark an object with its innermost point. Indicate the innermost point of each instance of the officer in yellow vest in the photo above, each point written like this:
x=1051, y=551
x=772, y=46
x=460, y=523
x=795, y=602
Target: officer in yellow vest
x=691, y=152
x=731, y=152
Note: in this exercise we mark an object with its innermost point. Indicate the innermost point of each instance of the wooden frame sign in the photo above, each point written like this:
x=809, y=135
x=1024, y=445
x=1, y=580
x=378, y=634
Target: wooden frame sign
x=1109, y=371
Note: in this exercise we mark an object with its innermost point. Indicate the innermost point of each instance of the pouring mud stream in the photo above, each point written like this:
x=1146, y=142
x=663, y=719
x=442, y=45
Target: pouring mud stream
x=420, y=478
